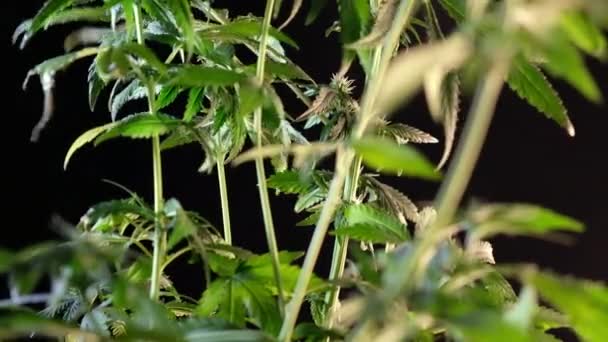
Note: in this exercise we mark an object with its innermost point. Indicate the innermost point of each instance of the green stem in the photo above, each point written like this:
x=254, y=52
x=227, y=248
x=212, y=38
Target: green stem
x=470, y=145
x=259, y=162
x=221, y=177
x=343, y=158
x=160, y=235
x=403, y=17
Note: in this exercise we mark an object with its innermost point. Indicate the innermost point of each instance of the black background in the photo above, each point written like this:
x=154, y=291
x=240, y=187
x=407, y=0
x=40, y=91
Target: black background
x=526, y=158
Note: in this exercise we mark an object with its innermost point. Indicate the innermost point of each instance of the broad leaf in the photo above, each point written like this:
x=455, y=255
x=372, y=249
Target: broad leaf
x=289, y=182
x=84, y=139
x=520, y=219
x=531, y=85
x=584, y=33
x=565, y=61
x=388, y=156
x=142, y=125
x=360, y=217
x=584, y=302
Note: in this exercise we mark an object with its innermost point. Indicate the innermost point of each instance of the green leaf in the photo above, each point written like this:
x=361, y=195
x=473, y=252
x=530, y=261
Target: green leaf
x=249, y=29
x=180, y=9
x=531, y=85
x=146, y=54
x=85, y=14
x=368, y=233
x=133, y=91
x=456, y=9
x=520, y=219
x=84, y=139
x=316, y=6
x=581, y=31
x=310, y=332
x=289, y=182
x=250, y=98
x=167, y=96
x=355, y=19
x=142, y=125
x=311, y=220
x=388, y=156
x=181, y=225
x=50, y=8
x=584, y=302
x=118, y=208
x=96, y=85
x=51, y=66
x=308, y=199
x=360, y=216
x=565, y=61
x=200, y=76
x=194, y=104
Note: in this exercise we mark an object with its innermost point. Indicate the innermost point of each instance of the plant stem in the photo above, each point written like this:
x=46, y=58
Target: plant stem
x=160, y=235
x=259, y=162
x=344, y=158
x=471, y=142
x=221, y=177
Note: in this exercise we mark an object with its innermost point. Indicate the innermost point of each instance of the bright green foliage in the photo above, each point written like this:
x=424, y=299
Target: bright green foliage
x=386, y=156
x=410, y=276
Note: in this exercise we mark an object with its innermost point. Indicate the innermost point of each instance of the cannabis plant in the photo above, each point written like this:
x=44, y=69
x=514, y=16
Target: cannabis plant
x=399, y=272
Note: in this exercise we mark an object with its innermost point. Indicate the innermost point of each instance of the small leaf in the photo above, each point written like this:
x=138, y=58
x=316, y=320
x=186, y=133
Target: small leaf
x=96, y=85
x=250, y=29
x=384, y=154
x=50, y=8
x=584, y=33
x=133, y=91
x=308, y=199
x=146, y=54
x=442, y=92
x=289, y=182
x=368, y=233
x=84, y=139
x=365, y=219
x=142, y=125
x=167, y=96
x=520, y=219
x=531, y=85
x=455, y=8
x=404, y=133
x=316, y=6
x=200, y=76
x=297, y=4
x=311, y=220
x=584, y=302
x=195, y=103
x=251, y=98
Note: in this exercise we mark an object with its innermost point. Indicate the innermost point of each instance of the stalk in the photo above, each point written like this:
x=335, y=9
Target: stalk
x=469, y=148
x=160, y=235
x=259, y=162
x=340, y=252
x=221, y=177
x=344, y=158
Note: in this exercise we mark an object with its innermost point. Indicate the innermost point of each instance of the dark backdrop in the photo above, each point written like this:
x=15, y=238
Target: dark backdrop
x=526, y=158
